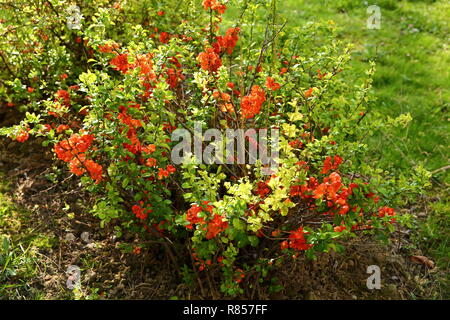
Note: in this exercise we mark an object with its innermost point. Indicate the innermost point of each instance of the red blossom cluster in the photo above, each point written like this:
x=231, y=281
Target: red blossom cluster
x=272, y=85
x=321, y=75
x=251, y=104
x=331, y=164
x=72, y=151
x=22, y=136
x=214, y=5
x=224, y=100
x=164, y=173
x=108, y=48
x=386, y=211
x=164, y=37
x=132, y=124
x=296, y=241
x=308, y=93
x=79, y=165
x=213, y=226
x=209, y=60
x=340, y=228
x=61, y=128
x=228, y=42
x=296, y=144
x=120, y=63
x=262, y=189
x=175, y=73
x=63, y=96
x=332, y=190
x=140, y=211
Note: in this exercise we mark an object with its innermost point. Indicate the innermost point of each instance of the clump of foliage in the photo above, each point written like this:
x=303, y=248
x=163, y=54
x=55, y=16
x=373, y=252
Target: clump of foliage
x=108, y=96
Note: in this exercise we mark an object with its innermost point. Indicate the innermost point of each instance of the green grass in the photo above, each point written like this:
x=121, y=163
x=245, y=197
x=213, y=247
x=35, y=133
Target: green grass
x=433, y=238
x=21, y=247
x=17, y=258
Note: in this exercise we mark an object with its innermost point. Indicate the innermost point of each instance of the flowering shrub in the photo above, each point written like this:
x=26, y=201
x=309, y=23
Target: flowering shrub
x=112, y=125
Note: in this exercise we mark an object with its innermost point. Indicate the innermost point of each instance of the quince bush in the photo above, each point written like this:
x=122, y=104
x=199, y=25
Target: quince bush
x=108, y=96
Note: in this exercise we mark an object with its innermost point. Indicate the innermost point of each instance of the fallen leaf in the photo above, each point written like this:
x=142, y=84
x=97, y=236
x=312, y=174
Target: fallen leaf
x=422, y=260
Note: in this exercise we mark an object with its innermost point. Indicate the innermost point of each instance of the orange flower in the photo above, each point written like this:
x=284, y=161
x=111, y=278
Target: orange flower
x=251, y=104
x=63, y=96
x=214, y=5
x=297, y=240
x=339, y=228
x=164, y=37
x=209, y=60
x=62, y=128
x=120, y=63
x=23, y=136
x=151, y=162
x=272, y=85
x=227, y=42
x=149, y=149
x=215, y=226
x=331, y=165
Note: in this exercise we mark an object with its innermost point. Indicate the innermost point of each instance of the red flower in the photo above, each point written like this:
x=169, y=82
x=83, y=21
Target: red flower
x=215, y=226
x=164, y=37
x=329, y=164
x=227, y=42
x=79, y=165
x=22, y=136
x=272, y=85
x=30, y=89
x=62, y=128
x=251, y=104
x=214, y=5
x=63, y=96
x=339, y=228
x=308, y=93
x=139, y=212
x=386, y=211
x=151, y=162
x=297, y=240
x=120, y=63
x=321, y=75
x=108, y=48
x=66, y=150
x=160, y=13
x=164, y=173
x=173, y=76
x=149, y=149
x=209, y=60
x=192, y=216
x=263, y=189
